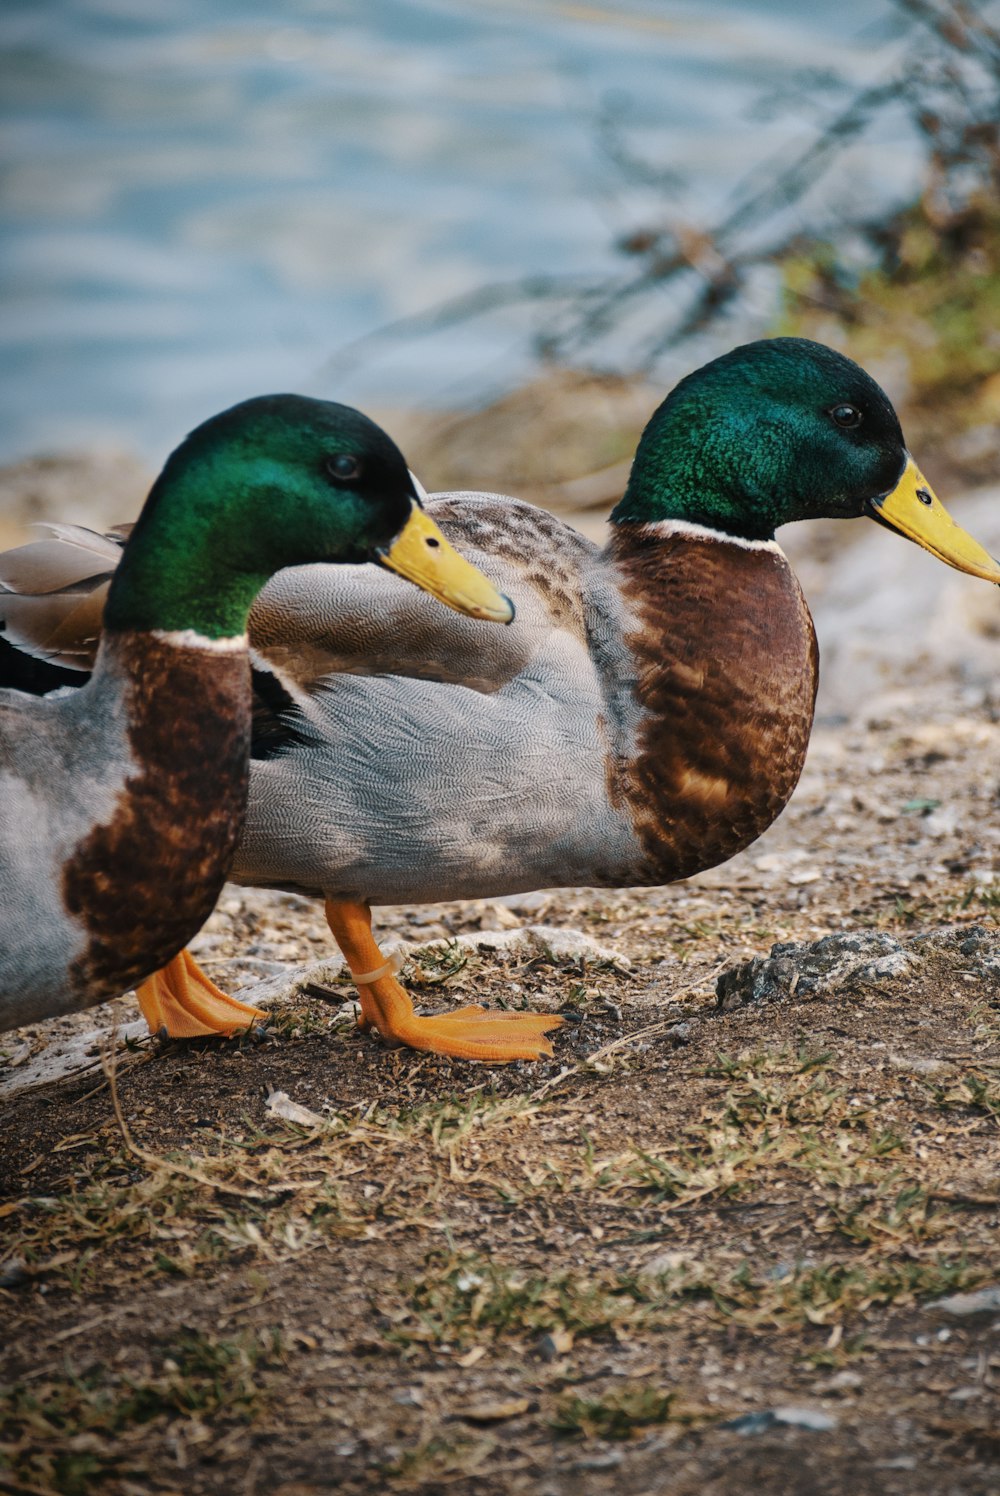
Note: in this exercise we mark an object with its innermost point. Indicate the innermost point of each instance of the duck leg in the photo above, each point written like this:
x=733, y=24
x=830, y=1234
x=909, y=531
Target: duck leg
x=470, y=1033
x=181, y=1000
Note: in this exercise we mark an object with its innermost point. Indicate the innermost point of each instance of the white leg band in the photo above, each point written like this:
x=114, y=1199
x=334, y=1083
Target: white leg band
x=363, y=978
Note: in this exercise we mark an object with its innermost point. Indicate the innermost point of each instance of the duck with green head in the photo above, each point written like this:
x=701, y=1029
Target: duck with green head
x=121, y=803
x=646, y=715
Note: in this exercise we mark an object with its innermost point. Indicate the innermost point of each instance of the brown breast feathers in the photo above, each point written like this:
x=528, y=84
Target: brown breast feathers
x=726, y=679
x=143, y=884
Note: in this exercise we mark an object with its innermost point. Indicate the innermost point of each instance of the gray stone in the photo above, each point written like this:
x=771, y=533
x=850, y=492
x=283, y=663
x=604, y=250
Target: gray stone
x=856, y=960
x=812, y=1419
x=812, y=970
x=983, y=1301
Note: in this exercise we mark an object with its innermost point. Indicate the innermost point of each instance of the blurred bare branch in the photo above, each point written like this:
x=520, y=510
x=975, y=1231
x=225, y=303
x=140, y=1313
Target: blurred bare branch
x=677, y=277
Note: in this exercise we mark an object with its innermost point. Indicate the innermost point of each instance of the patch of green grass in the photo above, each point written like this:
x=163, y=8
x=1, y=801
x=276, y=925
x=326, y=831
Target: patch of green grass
x=302, y=1019
x=64, y=1433
x=453, y=1120
x=907, y=1217
x=973, y=1091
x=438, y=1459
x=438, y=965
x=981, y=896
x=825, y=1293
x=752, y=1064
x=619, y=1413
x=185, y=1216
x=270, y=1193
x=835, y=1358
x=460, y=1299
x=466, y=1299
x=784, y=1115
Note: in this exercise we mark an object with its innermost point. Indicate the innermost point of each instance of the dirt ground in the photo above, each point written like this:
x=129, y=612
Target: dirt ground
x=700, y=1250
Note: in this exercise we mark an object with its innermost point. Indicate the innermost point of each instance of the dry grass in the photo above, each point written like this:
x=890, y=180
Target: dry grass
x=540, y=1278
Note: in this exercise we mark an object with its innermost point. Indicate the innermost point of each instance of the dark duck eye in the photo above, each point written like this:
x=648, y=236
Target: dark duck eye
x=344, y=468
x=846, y=416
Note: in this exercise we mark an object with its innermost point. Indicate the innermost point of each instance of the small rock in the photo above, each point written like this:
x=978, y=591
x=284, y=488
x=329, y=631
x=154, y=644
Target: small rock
x=916, y=1064
x=663, y=1262
x=844, y=1381
x=609, y=1461
x=983, y=1301
x=280, y=1104
x=496, y=917
x=810, y=1418
x=941, y=823
x=13, y=1274
x=409, y=1397
x=979, y=947
x=495, y=1412
x=551, y=942
x=555, y=1344
x=814, y=969
x=525, y=903
x=758, y=1423
x=779, y=862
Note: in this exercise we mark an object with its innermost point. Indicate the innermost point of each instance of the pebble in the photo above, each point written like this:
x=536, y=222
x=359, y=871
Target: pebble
x=791, y=1417
x=555, y=1344
x=663, y=1262
x=609, y=1461
x=914, y=1064
x=855, y=959
x=843, y=1381
x=813, y=969
x=280, y=1104
x=13, y=1274
x=983, y=1301
x=409, y=1397
x=495, y=1412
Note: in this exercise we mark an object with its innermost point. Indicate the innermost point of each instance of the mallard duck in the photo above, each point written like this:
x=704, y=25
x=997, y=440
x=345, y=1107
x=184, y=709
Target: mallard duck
x=646, y=716
x=121, y=803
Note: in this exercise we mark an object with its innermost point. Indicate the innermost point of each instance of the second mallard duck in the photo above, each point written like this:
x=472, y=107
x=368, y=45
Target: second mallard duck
x=120, y=803
x=646, y=716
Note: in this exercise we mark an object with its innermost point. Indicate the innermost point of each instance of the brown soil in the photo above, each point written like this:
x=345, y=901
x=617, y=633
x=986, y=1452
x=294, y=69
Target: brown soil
x=575, y=1275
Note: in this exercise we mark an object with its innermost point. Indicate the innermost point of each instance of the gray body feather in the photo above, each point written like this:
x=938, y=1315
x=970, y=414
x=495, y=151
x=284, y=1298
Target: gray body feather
x=445, y=758
x=80, y=745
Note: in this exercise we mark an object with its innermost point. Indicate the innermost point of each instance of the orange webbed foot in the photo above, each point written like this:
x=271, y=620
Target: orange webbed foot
x=469, y=1033
x=181, y=1001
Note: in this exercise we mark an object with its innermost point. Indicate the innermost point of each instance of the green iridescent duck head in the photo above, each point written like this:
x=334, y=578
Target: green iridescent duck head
x=279, y=481
x=782, y=430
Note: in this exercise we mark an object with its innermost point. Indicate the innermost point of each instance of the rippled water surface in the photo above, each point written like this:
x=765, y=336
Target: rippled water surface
x=205, y=199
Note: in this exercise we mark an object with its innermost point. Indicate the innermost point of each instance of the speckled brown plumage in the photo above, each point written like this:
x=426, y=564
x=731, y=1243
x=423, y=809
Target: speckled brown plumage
x=547, y=553
x=727, y=710
x=144, y=883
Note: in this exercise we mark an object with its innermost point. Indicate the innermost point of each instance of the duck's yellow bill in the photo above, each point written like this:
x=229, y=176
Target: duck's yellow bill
x=421, y=554
x=915, y=511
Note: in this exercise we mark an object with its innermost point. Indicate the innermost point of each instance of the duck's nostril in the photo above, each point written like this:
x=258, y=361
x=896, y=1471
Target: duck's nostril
x=925, y=497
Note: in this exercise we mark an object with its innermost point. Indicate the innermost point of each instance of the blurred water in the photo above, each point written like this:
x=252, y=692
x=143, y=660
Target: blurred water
x=205, y=199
